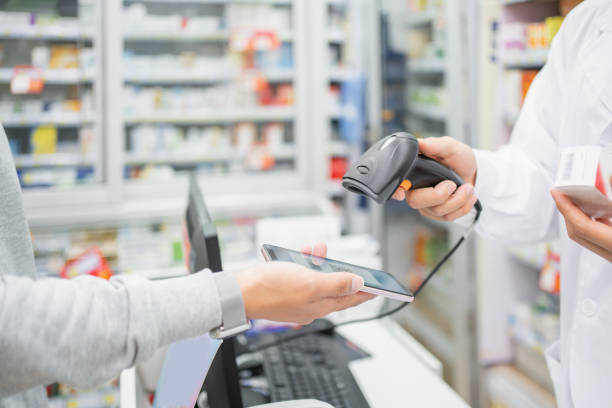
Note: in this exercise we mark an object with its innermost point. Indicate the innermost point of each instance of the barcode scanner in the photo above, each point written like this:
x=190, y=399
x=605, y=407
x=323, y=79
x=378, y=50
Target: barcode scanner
x=394, y=162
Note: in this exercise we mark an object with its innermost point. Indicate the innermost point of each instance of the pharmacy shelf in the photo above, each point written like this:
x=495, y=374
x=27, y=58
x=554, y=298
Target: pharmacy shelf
x=53, y=159
x=439, y=342
x=190, y=77
x=54, y=76
x=221, y=2
x=213, y=36
x=426, y=66
x=341, y=111
x=64, y=119
x=134, y=159
x=429, y=111
x=340, y=74
x=62, y=32
x=421, y=18
x=510, y=388
x=336, y=36
x=335, y=189
x=511, y=2
x=528, y=58
x=339, y=148
x=264, y=114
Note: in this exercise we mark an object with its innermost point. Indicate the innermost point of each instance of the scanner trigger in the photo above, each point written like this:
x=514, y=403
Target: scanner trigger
x=406, y=185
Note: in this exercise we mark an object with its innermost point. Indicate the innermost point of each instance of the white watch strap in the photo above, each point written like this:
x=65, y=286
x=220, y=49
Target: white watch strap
x=233, y=316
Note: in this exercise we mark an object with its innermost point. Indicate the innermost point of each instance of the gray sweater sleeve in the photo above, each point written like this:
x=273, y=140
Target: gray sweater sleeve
x=86, y=330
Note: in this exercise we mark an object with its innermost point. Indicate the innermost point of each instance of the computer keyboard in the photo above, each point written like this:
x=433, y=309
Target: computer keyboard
x=314, y=366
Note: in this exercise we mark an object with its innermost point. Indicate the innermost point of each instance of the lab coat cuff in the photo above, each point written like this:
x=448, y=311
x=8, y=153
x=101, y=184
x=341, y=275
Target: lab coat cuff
x=485, y=175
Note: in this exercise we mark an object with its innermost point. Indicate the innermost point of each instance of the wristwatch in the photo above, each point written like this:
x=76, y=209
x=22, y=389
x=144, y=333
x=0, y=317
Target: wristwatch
x=233, y=316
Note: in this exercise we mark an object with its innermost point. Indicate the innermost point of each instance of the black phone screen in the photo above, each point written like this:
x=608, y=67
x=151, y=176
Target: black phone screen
x=371, y=277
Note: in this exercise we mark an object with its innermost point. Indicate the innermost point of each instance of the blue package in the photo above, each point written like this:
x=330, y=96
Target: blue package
x=352, y=94
x=14, y=145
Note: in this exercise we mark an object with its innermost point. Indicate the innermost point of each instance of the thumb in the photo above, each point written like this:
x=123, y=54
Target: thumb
x=338, y=284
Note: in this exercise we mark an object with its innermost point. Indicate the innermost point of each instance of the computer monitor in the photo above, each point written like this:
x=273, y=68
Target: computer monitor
x=184, y=374
x=222, y=384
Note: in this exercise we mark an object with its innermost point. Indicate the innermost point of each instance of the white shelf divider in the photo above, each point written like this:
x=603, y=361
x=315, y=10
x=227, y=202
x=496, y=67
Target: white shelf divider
x=429, y=111
x=282, y=153
x=267, y=114
x=54, y=76
x=53, y=159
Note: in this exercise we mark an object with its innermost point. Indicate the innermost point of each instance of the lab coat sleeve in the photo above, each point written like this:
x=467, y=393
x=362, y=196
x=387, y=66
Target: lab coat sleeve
x=86, y=330
x=514, y=183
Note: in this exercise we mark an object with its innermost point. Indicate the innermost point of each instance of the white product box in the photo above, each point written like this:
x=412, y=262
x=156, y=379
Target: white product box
x=585, y=175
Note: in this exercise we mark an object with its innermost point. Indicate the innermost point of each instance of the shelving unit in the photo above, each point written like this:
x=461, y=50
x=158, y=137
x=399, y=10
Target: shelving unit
x=216, y=116
x=517, y=311
x=50, y=95
x=435, y=98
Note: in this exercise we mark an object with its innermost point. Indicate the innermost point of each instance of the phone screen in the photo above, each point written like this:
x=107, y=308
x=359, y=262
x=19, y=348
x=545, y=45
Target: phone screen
x=371, y=277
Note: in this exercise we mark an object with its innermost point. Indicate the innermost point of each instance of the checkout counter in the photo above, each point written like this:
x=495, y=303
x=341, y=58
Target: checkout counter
x=395, y=371
x=400, y=371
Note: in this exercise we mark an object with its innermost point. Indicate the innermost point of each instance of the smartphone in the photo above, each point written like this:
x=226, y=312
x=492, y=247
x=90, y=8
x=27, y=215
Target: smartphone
x=375, y=281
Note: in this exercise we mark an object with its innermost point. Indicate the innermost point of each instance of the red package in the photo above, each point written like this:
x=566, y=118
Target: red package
x=90, y=262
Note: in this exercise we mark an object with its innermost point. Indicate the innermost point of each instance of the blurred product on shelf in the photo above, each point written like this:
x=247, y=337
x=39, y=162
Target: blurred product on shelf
x=430, y=245
x=338, y=166
x=17, y=24
x=509, y=387
x=55, y=177
x=240, y=145
x=533, y=328
x=91, y=262
x=535, y=325
x=419, y=44
x=533, y=255
x=137, y=22
x=428, y=95
x=516, y=85
x=153, y=249
x=43, y=139
x=424, y=5
x=522, y=36
x=550, y=276
x=65, y=396
x=258, y=17
x=188, y=66
x=53, y=108
x=188, y=100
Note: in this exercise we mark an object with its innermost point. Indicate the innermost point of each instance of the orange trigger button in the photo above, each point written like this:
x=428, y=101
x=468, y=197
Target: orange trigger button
x=406, y=185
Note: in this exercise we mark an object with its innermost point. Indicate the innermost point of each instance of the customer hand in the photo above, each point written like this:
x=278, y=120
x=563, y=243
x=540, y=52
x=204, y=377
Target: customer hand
x=595, y=235
x=445, y=202
x=288, y=292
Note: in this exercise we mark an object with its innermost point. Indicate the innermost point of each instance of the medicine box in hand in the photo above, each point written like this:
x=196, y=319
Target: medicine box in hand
x=585, y=175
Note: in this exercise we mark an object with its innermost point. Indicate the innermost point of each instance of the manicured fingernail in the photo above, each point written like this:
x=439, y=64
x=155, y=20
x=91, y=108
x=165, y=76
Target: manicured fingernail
x=469, y=190
x=357, y=283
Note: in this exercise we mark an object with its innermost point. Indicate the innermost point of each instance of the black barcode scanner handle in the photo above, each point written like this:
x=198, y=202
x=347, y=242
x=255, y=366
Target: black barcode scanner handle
x=392, y=162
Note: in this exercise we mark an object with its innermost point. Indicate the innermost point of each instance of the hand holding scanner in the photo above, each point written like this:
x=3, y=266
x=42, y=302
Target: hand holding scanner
x=394, y=162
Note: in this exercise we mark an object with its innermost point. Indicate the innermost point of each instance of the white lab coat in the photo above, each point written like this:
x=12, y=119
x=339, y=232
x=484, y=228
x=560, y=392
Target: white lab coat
x=569, y=103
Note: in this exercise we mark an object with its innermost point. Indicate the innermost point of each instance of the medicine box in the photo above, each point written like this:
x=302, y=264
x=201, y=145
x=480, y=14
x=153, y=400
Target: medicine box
x=585, y=175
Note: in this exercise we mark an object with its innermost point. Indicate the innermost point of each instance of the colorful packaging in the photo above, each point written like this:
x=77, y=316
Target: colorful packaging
x=527, y=78
x=90, y=262
x=43, y=139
